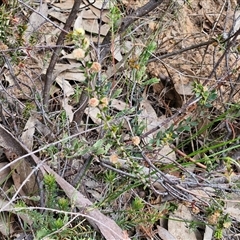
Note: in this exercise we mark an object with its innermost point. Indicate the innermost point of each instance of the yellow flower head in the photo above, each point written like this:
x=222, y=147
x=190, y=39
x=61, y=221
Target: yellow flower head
x=213, y=218
x=79, y=31
x=113, y=158
x=227, y=224
x=136, y=140
x=85, y=43
x=104, y=102
x=78, y=53
x=93, y=102
x=96, y=67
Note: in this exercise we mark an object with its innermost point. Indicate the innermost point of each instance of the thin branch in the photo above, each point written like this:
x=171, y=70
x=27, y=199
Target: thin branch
x=140, y=12
x=126, y=22
x=182, y=50
x=227, y=49
x=82, y=104
x=49, y=74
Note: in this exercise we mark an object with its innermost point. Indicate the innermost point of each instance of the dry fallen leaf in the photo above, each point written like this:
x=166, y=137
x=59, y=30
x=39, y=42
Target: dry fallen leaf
x=5, y=173
x=87, y=14
x=65, y=86
x=116, y=49
x=178, y=227
x=71, y=75
x=6, y=226
x=28, y=132
x=71, y=56
x=64, y=5
x=68, y=108
x=60, y=68
x=22, y=172
x=233, y=208
x=164, y=233
x=36, y=20
x=109, y=229
x=100, y=4
x=92, y=26
x=93, y=113
x=62, y=17
x=148, y=117
x=237, y=22
x=166, y=154
x=119, y=105
x=134, y=3
x=184, y=89
x=208, y=234
x=103, y=14
x=78, y=24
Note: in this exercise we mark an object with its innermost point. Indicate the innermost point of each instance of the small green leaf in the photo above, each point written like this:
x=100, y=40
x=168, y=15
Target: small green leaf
x=98, y=143
x=117, y=93
x=150, y=81
x=100, y=151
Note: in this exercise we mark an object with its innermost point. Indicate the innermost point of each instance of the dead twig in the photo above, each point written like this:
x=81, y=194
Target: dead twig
x=82, y=171
x=230, y=42
x=155, y=58
x=187, y=157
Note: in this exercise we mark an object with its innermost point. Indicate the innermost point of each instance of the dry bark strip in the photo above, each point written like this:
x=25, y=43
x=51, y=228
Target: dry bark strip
x=109, y=229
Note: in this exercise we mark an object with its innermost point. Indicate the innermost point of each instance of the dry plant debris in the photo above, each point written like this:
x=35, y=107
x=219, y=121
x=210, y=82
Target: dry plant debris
x=121, y=113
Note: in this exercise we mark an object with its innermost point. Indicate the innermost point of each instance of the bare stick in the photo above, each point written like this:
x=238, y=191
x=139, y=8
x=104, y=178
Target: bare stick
x=49, y=74
x=187, y=157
